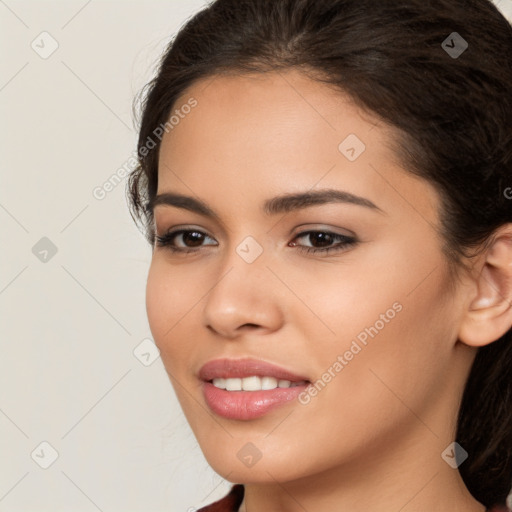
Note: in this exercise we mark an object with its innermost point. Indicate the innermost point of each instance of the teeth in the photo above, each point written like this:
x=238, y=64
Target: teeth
x=254, y=383
x=268, y=383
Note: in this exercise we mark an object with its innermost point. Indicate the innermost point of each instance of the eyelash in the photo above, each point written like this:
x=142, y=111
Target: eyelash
x=167, y=239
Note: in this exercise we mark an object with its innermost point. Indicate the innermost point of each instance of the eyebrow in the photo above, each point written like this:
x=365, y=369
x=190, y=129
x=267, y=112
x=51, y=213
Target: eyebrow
x=277, y=205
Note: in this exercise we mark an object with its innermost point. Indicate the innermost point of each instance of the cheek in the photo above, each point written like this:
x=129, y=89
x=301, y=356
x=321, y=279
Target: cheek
x=399, y=361
x=351, y=297
x=168, y=302
x=157, y=302
x=393, y=319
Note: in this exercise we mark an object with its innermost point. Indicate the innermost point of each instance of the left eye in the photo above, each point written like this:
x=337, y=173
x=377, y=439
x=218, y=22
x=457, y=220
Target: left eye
x=192, y=241
x=324, y=238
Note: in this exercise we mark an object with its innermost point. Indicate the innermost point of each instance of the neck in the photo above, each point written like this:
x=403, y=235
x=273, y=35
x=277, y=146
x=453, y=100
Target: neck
x=408, y=476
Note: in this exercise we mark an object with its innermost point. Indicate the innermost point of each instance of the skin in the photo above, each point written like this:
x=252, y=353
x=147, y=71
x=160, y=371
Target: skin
x=372, y=439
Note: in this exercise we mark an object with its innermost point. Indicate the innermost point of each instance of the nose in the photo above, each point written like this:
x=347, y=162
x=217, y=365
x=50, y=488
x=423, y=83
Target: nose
x=243, y=297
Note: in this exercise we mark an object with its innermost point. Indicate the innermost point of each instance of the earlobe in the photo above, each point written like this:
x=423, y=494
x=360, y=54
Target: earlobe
x=489, y=313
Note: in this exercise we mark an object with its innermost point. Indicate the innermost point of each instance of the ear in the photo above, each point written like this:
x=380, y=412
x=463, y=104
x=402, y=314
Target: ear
x=489, y=313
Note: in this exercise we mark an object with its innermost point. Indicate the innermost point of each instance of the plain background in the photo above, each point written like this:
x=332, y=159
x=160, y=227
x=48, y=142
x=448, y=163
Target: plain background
x=78, y=369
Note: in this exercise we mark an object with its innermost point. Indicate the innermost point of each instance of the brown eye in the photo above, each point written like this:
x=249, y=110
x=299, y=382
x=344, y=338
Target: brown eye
x=187, y=239
x=321, y=240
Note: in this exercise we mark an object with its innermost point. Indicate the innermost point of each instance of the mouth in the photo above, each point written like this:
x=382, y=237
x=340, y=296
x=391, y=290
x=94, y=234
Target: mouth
x=240, y=404
x=255, y=383
x=246, y=389
x=232, y=369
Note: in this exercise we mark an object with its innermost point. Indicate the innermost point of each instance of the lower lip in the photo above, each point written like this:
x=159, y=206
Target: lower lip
x=247, y=405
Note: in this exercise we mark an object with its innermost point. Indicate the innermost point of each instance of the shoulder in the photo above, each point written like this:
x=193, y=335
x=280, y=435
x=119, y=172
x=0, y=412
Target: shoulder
x=232, y=501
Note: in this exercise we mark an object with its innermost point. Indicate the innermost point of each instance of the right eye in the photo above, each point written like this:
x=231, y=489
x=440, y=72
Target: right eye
x=190, y=238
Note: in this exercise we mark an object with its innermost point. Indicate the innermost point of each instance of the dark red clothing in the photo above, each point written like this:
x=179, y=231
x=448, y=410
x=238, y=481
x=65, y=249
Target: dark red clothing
x=232, y=501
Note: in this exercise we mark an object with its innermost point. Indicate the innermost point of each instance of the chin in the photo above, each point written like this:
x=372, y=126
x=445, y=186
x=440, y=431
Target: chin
x=254, y=460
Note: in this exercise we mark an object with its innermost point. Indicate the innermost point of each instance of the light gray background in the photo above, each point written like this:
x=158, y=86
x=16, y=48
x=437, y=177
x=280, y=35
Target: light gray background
x=73, y=372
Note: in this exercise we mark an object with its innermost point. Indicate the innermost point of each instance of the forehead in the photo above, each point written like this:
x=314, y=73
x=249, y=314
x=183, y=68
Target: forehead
x=278, y=132
x=278, y=121
x=280, y=105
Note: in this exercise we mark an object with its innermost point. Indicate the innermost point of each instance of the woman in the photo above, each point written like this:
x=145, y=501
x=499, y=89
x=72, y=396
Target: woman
x=326, y=187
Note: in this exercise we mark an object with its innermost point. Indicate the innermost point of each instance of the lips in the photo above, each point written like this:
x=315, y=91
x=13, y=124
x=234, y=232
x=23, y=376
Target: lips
x=240, y=368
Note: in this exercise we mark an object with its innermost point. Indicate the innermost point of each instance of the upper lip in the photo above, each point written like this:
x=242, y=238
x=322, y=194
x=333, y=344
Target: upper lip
x=233, y=368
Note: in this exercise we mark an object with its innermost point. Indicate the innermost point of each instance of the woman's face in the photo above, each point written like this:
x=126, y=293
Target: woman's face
x=373, y=321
